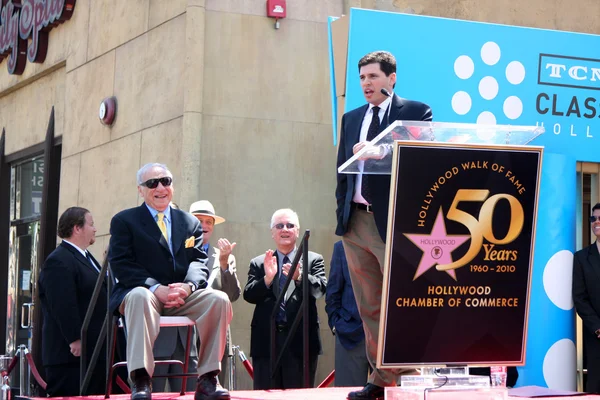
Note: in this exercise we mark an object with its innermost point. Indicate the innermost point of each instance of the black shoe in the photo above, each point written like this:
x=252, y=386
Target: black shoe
x=369, y=392
x=142, y=388
x=208, y=388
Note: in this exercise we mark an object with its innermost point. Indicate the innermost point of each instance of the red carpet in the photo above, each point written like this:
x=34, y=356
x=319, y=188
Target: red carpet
x=298, y=394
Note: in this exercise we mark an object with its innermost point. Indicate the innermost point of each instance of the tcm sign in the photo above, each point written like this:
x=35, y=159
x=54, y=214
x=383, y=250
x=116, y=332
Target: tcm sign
x=24, y=28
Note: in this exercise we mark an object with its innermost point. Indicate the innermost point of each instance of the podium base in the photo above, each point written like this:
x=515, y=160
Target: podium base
x=445, y=384
x=432, y=381
x=446, y=393
x=456, y=392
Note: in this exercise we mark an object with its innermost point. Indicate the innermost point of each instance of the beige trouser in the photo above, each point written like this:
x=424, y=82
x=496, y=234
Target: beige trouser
x=365, y=253
x=210, y=309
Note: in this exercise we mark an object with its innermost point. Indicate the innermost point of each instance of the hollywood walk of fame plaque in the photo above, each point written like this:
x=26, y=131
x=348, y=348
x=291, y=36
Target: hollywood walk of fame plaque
x=459, y=254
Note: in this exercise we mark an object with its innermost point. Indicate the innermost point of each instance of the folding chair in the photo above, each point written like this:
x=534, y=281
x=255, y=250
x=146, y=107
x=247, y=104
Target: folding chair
x=165, y=322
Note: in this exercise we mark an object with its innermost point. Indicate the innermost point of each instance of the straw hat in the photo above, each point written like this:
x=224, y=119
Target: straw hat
x=204, y=207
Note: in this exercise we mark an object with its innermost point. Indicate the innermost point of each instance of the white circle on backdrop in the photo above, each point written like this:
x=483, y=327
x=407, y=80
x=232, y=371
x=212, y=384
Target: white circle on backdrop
x=559, y=365
x=490, y=53
x=461, y=102
x=486, y=118
x=512, y=107
x=557, y=279
x=488, y=87
x=515, y=72
x=464, y=67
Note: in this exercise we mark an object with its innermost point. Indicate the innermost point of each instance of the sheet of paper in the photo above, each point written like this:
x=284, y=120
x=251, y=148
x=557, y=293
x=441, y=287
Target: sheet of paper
x=538, y=391
x=25, y=283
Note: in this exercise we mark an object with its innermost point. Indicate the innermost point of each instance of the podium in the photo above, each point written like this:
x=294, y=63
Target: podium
x=441, y=132
x=459, y=249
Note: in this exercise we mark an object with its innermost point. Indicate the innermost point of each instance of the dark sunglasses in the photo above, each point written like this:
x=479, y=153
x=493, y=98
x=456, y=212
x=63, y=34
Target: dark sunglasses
x=289, y=225
x=153, y=183
x=593, y=218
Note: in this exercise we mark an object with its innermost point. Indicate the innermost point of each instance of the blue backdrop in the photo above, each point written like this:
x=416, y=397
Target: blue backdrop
x=495, y=74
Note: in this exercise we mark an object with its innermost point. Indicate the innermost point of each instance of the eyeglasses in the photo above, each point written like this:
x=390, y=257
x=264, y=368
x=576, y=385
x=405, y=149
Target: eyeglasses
x=289, y=225
x=594, y=218
x=153, y=183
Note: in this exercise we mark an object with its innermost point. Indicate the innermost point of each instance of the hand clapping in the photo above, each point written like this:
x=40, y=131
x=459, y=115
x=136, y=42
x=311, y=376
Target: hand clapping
x=286, y=270
x=270, y=267
x=225, y=249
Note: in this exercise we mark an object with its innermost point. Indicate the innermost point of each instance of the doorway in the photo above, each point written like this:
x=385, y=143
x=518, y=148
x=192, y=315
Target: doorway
x=588, y=194
x=25, y=210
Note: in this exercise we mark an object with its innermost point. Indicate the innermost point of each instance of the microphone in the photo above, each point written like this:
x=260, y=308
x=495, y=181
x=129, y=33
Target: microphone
x=387, y=148
x=385, y=92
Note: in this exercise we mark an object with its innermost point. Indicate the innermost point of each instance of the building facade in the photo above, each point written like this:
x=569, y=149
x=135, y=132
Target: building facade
x=238, y=110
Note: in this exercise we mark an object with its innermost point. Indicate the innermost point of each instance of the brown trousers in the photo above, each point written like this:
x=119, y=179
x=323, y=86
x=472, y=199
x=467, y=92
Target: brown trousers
x=365, y=252
x=210, y=309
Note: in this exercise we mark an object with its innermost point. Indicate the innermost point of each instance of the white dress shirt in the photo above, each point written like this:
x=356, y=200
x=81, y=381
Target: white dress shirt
x=364, y=129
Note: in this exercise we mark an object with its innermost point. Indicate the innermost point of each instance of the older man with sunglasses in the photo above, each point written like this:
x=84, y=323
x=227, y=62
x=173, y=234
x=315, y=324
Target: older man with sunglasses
x=156, y=254
x=266, y=278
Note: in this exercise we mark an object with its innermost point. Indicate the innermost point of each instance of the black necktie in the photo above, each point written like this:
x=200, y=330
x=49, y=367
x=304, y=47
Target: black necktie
x=282, y=279
x=89, y=257
x=371, y=134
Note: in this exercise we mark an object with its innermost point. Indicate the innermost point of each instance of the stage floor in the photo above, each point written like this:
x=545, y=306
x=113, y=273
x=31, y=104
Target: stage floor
x=298, y=394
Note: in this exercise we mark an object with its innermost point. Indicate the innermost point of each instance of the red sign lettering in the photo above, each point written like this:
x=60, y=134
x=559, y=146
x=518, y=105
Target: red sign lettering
x=24, y=28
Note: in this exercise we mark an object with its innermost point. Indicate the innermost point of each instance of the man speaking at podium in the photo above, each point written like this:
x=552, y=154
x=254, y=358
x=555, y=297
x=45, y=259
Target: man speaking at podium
x=362, y=200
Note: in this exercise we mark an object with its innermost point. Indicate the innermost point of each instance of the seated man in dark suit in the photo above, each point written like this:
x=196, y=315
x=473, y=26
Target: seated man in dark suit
x=66, y=285
x=170, y=343
x=156, y=254
x=266, y=277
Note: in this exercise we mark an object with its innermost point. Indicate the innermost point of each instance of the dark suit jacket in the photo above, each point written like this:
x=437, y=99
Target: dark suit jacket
x=586, y=296
x=66, y=285
x=402, y=109
x=586, y=287
x=139, y=254
x=340, y=302
x=256, y=292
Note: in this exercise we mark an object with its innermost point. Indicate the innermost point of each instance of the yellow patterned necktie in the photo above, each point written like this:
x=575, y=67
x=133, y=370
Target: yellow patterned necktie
x=162, y=226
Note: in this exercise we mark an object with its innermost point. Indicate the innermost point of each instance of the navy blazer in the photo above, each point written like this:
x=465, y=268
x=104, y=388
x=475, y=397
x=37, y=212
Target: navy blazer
x=586, y=288
x=66, y=284
x=586, y=296
x=139, y=254
x=401, y=109
x=340, y=303
x=256, y=292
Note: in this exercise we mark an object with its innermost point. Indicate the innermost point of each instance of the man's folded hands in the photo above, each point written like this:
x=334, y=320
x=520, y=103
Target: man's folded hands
x=173, y=295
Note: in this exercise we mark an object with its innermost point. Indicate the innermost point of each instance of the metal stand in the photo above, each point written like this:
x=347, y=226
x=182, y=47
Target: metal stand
x=5, y=393
x=24, y=372
x=26, y=367
x=235, y=350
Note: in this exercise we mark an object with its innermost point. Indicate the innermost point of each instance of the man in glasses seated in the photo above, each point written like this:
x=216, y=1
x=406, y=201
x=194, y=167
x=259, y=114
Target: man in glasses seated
x=170, y=344
x=156, y=254
x=266, y=278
